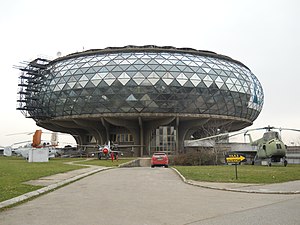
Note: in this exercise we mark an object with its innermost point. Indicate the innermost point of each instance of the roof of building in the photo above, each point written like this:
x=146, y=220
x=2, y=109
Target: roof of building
x=146, y=48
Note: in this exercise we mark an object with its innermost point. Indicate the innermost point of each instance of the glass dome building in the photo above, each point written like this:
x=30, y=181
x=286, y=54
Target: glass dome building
x=147, y=97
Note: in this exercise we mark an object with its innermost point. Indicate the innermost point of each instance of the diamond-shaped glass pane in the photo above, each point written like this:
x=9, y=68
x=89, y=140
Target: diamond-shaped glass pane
x=195, y=79
x=167, y=78
x=153, y=78
x=207, y=81
x=138, y=78
x=219, y=82
x=182, y=79
x=124, y=78
x=109, y=79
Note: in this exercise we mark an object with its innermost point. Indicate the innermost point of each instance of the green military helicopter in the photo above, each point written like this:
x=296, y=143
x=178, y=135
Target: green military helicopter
x=270, y=148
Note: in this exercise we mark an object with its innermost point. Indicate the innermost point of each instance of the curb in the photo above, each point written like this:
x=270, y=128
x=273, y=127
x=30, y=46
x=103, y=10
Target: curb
x=140, y=162
x=51, y=187
x=234, y=190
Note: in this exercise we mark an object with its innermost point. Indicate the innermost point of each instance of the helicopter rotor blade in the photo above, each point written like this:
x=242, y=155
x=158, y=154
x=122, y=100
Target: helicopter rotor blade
x=228, y=134
x=232, y=134
x=27, y=133
x=291, y=129
x=277, y=128
x=21, y=142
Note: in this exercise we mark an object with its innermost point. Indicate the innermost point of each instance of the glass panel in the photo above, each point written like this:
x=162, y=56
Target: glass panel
x=168, y=78
x=207, y=81
x=131, y=98
x=195, y=80
x=182, y=79
x=138, y=78
x=124, y=78
x=153, y=78
x=83, y=83
x=83, y=78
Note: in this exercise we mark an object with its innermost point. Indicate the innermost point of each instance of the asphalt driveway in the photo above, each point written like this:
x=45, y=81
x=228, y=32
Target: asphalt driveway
x=150, y=196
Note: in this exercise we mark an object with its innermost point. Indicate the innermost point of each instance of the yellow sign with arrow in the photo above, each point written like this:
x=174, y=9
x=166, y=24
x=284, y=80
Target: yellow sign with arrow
x=234, y=158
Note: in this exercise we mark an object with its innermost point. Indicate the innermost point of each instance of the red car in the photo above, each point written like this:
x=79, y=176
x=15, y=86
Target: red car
x=159, y=159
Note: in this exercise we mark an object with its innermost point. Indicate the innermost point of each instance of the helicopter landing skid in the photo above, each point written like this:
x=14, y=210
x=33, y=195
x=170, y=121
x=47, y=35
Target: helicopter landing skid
x=269, y=162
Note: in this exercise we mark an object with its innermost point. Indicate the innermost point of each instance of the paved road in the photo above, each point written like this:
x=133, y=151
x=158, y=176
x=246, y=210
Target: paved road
x=146, y=196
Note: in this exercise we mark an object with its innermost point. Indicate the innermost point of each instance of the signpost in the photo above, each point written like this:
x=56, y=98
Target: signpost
x=235, y=159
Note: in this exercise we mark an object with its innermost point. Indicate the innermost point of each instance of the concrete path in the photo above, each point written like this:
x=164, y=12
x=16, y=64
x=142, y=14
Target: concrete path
x=58, y=180
x=292, y=187
x=135, y=196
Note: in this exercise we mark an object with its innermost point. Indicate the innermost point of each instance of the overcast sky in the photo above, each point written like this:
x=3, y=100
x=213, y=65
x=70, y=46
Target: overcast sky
x=264, y=35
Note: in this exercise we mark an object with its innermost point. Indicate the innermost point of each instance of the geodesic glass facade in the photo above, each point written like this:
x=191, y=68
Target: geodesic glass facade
x=145, y=82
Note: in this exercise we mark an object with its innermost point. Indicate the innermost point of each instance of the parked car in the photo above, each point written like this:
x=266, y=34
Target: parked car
x=159, y=159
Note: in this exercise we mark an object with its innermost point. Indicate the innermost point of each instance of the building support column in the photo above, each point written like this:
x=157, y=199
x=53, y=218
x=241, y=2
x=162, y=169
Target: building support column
x=177, y=135
x=106, y=126
x=184, y=127
x=95, y=127
x=132, y=126
x=141, y=136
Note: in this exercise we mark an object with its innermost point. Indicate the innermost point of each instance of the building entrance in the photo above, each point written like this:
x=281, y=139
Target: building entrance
x=163, y=139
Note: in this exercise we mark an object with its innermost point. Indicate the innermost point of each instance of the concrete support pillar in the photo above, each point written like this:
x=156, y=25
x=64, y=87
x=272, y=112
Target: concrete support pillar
x=134, y=128
x=141, y=136
x=184, y=127
x=106, y=126
x=69, y=127
x=95, y=128
x=177, y=135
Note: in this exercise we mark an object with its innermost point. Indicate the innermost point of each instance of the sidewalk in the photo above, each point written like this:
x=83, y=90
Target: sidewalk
x=291, y=187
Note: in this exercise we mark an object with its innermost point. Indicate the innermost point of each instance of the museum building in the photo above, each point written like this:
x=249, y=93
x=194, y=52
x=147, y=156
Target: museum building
x=148, y=98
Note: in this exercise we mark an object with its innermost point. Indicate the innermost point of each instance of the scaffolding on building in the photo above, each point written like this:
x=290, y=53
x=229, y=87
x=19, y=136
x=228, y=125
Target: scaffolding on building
x=30, y=84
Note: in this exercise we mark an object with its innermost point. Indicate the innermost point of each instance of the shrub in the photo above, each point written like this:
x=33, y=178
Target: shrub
x=195, y=158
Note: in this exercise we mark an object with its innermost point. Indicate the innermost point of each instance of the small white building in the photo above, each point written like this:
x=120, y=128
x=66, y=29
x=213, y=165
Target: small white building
x=38, y=155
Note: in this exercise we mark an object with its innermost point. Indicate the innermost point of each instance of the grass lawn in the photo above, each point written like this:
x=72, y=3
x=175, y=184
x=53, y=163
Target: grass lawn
x=246, y=173
x=15, y=170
